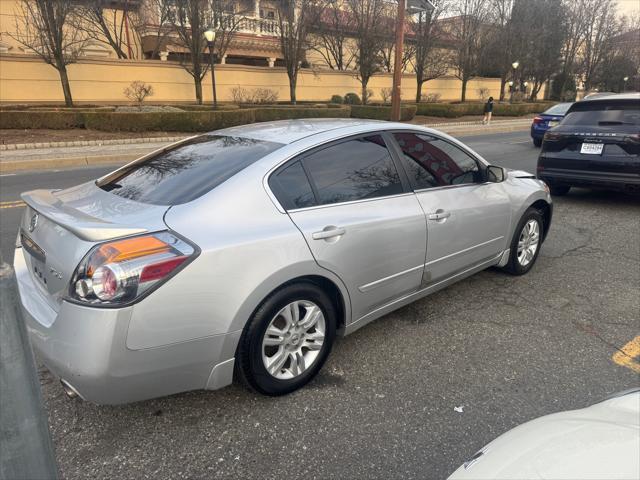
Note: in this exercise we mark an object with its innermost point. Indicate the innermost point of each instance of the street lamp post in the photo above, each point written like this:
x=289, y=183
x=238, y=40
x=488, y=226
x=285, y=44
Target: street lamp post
x=525, y=85
x=515, y=66
x=624, y=85
x=210, y=35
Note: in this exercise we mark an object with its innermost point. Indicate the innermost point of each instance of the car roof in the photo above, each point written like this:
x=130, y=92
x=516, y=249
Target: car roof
x=613, y=96
x=289, y=131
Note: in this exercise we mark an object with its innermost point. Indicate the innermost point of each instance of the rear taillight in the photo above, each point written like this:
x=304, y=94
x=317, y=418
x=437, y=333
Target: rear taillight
x=537, y=120
x=118, y=272
x=552, y=137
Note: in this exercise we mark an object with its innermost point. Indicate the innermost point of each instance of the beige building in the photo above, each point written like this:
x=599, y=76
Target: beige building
x=154, y=53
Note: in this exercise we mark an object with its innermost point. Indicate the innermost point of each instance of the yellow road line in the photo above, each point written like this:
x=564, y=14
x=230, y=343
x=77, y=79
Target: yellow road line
x=17, y=203
x=628, y=355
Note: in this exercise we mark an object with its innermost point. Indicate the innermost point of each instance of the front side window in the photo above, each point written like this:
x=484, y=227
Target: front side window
x=433, y=162
x=187, y=171
x=352, y=170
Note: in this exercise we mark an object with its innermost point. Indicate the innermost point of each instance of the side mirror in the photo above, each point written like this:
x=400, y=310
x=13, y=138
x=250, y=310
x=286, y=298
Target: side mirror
x=495, y=174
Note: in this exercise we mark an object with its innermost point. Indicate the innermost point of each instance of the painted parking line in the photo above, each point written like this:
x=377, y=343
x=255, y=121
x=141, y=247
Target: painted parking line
x=15, y=204
x=629, y=355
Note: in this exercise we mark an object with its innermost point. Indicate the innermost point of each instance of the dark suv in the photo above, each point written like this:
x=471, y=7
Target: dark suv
x=596, y=145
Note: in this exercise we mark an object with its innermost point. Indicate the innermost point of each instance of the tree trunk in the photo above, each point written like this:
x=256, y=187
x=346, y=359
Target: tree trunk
x=463, y=96
x=503, y=83
x=66, y=88
x=198, y=83
x=419, y=90
x=293, y=80
x=364, y=91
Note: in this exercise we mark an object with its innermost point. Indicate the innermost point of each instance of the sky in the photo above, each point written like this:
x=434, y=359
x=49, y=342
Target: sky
x=628, y=7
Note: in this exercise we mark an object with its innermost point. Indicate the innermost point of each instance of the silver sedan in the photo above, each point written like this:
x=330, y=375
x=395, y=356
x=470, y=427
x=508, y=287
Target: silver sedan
x=247, y=250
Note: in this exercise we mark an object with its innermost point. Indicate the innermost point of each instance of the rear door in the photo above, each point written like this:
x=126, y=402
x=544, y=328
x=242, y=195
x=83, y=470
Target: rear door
x=358, y=218
x=467, y=218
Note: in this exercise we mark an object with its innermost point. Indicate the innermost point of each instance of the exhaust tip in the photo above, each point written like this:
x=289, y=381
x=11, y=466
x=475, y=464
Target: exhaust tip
x=69, y=390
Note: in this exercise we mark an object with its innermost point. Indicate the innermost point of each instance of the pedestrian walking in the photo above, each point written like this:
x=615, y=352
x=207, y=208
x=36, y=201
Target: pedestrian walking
x=488, y=110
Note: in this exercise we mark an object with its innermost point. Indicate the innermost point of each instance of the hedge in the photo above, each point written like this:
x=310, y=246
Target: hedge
x=35, y=119
x=407, y=112
x=454, y=110
x=194, y=121
x=277, y=113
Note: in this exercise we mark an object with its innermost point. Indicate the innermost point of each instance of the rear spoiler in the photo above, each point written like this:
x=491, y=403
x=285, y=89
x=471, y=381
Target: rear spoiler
x=79, y=223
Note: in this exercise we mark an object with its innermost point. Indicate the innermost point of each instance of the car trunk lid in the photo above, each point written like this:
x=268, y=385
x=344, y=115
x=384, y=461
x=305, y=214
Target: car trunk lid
x=58, y=228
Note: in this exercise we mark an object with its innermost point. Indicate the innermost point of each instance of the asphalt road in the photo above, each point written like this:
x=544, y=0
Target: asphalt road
x=506, y=349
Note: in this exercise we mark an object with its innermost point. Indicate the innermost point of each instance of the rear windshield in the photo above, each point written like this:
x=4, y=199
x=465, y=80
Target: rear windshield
x=594, y=113
x=559, y=109
x=188, y=171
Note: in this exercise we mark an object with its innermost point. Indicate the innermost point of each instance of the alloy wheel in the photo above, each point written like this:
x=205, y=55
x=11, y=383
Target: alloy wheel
x=293, y=339
x=528, y=242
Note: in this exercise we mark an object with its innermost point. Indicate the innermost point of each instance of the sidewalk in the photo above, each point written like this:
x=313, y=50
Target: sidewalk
x=44, y=156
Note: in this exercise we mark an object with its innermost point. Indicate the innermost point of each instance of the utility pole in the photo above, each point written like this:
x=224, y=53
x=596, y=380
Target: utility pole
x=397, y=67
x=26, y=451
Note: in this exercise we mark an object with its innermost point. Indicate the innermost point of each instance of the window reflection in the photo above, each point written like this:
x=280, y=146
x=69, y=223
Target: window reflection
x=189, y=171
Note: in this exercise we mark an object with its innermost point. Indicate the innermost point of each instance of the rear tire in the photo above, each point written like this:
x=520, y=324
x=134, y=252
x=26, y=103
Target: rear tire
x=526, y=243
x=287, y=340
x=537, y=142
x=559, y=190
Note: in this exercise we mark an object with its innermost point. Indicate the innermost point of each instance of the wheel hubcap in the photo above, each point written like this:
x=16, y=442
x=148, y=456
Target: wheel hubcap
x=293, y=339
x=528, y=242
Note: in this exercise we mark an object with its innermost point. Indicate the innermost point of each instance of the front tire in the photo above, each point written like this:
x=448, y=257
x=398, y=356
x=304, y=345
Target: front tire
x=287, y=340
x=526, y=243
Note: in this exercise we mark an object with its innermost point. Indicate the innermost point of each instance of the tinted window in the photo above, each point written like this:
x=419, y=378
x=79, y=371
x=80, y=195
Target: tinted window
x=433, y=162
x=188, y=171
x=292, y=187
x=597, y=113
x=353, y=170
x=559, y=109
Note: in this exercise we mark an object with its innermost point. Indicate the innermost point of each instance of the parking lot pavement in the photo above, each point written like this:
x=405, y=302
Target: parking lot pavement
x=505, y=349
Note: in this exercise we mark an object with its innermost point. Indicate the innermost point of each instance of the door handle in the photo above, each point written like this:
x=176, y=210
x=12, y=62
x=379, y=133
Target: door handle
x=439, y=215
x=328, y=232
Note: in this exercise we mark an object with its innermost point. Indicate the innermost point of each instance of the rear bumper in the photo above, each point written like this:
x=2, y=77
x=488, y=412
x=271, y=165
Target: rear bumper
x=538, y=133
x=618, y=181
x=86, y=347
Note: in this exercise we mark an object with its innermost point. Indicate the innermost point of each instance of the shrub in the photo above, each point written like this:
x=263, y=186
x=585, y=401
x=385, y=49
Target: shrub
x=207, y=108
x=483, y=93
x=430, y=98
x=41, y=119
x=337, y=99
x=257, y=95
x=284, y=113
x=407, y=112
x=137, y=91
x=168, y=121
x=352, y=99
x=386, y=94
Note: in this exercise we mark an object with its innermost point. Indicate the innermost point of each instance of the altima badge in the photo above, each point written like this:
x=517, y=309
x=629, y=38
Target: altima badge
x=34, y=222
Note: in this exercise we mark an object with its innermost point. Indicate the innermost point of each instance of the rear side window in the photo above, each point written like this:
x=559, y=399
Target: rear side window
x=352, y=170
x=599, y=113
x=559, y=109
x=188, y=171
x=292, y=188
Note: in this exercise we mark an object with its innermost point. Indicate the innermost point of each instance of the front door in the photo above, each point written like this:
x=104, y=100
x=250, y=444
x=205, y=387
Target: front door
x=467, y=218
x=358, y=219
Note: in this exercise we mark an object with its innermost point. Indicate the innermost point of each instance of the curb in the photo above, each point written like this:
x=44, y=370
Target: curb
x=89, y=143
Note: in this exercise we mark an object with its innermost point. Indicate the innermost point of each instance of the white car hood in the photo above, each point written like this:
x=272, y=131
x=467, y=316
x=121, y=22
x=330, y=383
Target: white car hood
x=601, y=441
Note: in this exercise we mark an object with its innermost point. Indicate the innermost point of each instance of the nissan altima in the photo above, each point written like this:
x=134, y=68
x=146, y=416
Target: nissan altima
x=244, y=252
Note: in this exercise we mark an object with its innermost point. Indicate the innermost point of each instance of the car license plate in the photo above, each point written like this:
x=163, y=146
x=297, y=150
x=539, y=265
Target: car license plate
x=553, y=123
x=592, y=148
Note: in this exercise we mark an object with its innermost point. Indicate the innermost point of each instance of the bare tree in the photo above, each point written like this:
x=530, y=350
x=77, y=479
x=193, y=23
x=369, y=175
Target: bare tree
x=294, y=19
x=430, y=61
x=602, y=26
x=576, y=19
x=190, y=19
x=329, y=36
x=104, y=23
x=371, y=26
x=387, y=54
x=469, y=30
x=503, y=40
x=155, y=16
x=46, y=28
